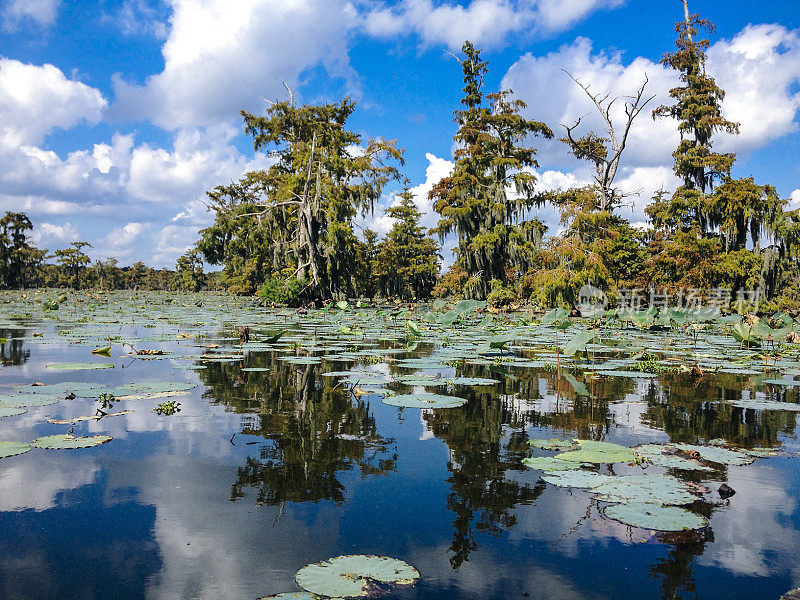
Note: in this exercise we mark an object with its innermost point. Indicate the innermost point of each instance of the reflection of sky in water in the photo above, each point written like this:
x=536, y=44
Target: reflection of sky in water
x=153, y=514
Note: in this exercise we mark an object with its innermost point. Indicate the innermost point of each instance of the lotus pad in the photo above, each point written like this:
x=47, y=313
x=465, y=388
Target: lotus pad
x=13, y=448
x=576, y=479
x=599, y=453
x=471, y=381
x=630, y=374
x=294, y=596
x=75, y=366
x=653, y=516
x=424, y=401
x=354, y=576
x=11, y=411
x=654, y=454
x=550, y=463
x=552, y=444
x=67, y=442
x=150, y=389
x=20, y=400
x=649, y=488
x=714, y=454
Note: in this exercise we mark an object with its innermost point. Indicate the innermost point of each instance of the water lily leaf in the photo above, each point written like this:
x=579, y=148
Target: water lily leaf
x=579, y=387
x=576, y=479
x=86, y=418
x=105, y=351
x=76, y=366
x=342, y=305
x=420, y=380
x=424, y=401
x=649, y=488
x=414, y=328
x=354, y=576
x=13, y=448
x=550, y=463
x=20, y=400
x=67, y=442
x=11, y=411
x=301, y=360
x=148, y=390
x=655, y=517
x=471, y=381
x=631, y=374
x=554, y=315
x=295, y=596
x=654, y=454
x=599, y=453
x=718, y=455
x=553, y=444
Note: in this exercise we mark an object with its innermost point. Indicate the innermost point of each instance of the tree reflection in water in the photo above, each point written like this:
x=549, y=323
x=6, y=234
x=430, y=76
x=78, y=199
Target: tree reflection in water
x=314, y=430
x=12, y=351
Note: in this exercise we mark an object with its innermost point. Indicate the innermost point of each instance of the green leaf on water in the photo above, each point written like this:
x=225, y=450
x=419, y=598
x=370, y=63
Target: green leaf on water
x=553, y=444
x=67, y=442
x=655, y=517
x=76, y=366
x=599, y=453
x=550, y=464
x=354, y=576
x=13, y=448
x=424, y=401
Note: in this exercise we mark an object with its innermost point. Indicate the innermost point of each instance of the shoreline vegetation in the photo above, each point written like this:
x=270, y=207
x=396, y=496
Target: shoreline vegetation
x=288, y=233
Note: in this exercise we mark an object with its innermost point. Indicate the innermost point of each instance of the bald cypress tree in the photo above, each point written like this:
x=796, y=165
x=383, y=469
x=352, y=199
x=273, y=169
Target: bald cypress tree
x=474, y=201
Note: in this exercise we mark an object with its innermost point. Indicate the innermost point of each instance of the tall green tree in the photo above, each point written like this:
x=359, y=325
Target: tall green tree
x=301, y=209
x=697, y=107
x=407, y=262
x=491, y=184
x=189, y=271
x=17, y=255
x=74, y=260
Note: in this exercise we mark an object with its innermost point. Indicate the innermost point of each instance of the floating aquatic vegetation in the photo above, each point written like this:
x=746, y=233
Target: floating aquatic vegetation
x=293, y=596
x=630, y=374
x=167, y=408
x=301, y=360
x=759, y=404
x=66, y=441
x=654, y=453
x=553, y=444
x=95, y=417
x=11, y=411
x=421, y=380
x=550, y=463
x=478, y=381
x=649, y=488
x=424, y=401
x=716, y=454
x=655, y=517
x=576, y=479
x=76, y=366
x=354, y=576
x=13, y=448
x=148, y=390
x=598, y=452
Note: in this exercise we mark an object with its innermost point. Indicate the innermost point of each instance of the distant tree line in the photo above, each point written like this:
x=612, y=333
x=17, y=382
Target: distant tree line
x=289, y=232
x=23, y=265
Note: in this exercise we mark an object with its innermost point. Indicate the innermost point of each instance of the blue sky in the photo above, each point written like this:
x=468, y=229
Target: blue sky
x=117, y=115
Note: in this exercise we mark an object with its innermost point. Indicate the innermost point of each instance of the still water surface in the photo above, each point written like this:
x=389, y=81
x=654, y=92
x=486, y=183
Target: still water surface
x=262, y=472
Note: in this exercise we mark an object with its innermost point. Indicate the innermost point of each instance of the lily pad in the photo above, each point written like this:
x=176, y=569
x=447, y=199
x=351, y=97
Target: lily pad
x=576, y=479
x=599, y=453
x=471, y=381
x=76, y=366
x=552, y=444
x=655, y=517
x=147, y=390
x=550, y=464
x=630, y=374
x=354, y=576
x=654, y=454
x=11, y=411
x=714, y=454
x=424, y=401
x=67, y=442
x=649, y=488
x=13, y=448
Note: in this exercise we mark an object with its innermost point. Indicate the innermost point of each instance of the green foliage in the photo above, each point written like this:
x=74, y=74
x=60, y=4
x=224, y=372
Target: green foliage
x=407, y=261
x=501, y=295
x=189, y=271
x=277, y=290
x=19, y=259
x=473, y=201
x=169, y=407
x=74, y=260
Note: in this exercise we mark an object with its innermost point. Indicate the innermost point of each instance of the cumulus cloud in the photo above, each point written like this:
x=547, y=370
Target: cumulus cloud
x=35, y=100
x=16, y=13
x=484, y=22
x=216, y=61
x=794, y=200
x=47, y=234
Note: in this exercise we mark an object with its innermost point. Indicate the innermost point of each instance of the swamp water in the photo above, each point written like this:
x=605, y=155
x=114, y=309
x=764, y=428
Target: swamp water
x=447, y=443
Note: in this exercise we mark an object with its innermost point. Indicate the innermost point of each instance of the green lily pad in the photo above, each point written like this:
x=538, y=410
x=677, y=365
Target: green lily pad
x=416, y=380
x=649, y=488
x=630, y=374
x=76, y=366
x=471, y=381
x=654, y=454
x=354, y=576
x=301, y=360
x=718, y=455
x=550, y=463
x=655, y=517
x=147, y=390
x=13, y=448
x=11, y=411
x=295, y=596
x=424, y=401
x=576, y=479
x=67, y=442
x=552, y=444
x=599, y=453
x=21, y=400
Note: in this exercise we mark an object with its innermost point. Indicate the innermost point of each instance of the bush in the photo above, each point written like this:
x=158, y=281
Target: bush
x=282, y=291
x=500, y=295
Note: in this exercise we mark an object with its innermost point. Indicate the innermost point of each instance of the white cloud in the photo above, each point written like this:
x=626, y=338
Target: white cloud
x=35, y=100
x=140, y=17
x=217, y=61
x=123, y=236
x=16, y=13
x=794, y=200
x=483, y=22
x=45, y=234
x=759, y=69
